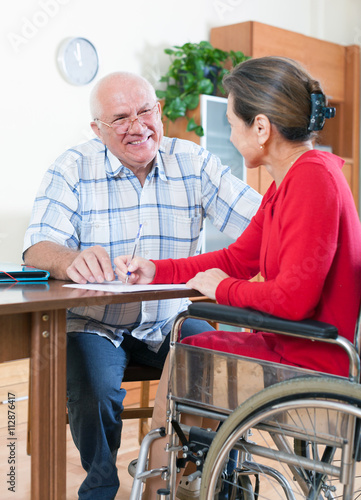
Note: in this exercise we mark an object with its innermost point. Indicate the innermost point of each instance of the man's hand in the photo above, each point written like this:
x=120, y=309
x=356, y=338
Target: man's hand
x=207, y=282
x=142, y=270
x=91, y=265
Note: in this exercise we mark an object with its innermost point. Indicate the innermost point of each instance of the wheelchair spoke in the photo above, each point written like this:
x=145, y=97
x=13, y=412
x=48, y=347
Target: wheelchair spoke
x=298, y=448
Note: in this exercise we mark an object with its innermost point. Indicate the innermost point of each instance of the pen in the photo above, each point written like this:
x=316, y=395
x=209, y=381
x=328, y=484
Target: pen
x=136, y=242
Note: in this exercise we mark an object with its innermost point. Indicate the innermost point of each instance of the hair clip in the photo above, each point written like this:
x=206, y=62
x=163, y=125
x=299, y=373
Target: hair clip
x=319, y=112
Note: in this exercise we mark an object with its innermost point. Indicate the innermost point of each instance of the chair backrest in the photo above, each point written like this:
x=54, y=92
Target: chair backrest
x=136, y=372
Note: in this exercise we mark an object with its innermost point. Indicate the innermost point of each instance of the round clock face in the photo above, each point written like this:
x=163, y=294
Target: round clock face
x=78, y=60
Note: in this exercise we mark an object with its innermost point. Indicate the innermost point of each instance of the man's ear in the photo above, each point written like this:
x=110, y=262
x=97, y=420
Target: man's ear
x=263, y=128
x=96, y=130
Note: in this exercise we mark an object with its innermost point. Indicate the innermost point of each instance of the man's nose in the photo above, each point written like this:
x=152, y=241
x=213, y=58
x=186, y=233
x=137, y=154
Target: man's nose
x=137, y=123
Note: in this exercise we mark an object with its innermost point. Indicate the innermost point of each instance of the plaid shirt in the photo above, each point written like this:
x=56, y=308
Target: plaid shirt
x=89, y=198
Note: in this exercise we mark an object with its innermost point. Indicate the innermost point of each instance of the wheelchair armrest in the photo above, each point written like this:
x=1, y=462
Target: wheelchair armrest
x=250, y=318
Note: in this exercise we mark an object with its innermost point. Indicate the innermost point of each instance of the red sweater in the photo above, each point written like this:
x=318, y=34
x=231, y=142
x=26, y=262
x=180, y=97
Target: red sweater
x=305, y=240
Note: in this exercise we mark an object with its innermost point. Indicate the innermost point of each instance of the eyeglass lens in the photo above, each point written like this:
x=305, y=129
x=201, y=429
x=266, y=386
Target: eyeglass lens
x=125, y=124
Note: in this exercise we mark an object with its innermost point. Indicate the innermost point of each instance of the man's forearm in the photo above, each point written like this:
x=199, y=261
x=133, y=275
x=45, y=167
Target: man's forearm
x=52, y=257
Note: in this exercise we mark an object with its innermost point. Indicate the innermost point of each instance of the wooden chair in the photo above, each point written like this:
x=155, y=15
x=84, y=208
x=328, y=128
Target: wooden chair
x=136, y=372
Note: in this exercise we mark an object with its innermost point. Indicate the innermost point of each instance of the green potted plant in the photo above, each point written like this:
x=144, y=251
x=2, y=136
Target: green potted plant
x=196, y=68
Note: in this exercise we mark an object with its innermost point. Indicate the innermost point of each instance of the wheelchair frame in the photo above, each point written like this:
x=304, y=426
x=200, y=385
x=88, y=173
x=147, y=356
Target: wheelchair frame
x=271, y=410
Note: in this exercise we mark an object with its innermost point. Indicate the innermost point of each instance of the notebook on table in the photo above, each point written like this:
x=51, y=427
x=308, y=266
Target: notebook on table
x=19, y=272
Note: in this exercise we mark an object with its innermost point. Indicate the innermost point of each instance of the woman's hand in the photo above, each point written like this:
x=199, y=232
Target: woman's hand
x=207, y=282
x=142, y=270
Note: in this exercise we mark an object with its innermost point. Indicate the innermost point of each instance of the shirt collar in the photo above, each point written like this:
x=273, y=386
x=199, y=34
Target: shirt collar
x=159, y=164
x=113, y=166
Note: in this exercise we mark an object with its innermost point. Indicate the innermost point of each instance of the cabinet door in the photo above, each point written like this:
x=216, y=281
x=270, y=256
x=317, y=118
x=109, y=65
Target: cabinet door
x=217, y=132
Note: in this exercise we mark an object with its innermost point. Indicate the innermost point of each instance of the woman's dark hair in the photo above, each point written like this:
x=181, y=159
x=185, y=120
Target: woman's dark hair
x=276, y=87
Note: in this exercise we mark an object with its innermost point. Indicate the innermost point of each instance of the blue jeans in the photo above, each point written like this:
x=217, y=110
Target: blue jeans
x=95, y=370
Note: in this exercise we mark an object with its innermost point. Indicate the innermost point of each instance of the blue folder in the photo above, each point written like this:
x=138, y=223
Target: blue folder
x=18, y=272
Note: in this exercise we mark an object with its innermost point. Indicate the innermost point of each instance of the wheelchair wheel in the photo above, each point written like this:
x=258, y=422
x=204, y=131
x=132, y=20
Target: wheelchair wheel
x=242, y=489
x=294, y=440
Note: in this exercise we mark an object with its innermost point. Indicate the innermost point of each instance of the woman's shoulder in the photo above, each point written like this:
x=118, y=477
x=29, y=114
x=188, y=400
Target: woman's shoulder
x=315, y=167
x=326, y=162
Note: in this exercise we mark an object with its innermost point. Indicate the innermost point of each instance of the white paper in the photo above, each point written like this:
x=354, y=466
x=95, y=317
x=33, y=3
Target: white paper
x=118, y=287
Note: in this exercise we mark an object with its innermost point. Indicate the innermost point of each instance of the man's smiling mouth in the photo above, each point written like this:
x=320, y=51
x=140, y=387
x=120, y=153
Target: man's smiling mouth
x=139, y=142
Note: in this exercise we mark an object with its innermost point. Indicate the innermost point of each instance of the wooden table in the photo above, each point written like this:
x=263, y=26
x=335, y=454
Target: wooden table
x=33, y=324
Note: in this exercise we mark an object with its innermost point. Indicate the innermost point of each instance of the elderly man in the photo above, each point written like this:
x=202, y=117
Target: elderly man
x=87, y=212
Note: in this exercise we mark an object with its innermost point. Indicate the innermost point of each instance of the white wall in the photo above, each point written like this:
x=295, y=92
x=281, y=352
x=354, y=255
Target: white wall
x=41, y=114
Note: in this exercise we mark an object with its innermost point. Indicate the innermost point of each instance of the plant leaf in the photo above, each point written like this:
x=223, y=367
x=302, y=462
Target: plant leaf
x=194, y=127
x=205, y=86
x=175, y=109
x=191, y=100
x=172, y=92
x=161, y=93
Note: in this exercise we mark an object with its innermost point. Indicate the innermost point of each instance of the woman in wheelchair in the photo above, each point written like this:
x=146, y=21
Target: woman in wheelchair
x=305, y=239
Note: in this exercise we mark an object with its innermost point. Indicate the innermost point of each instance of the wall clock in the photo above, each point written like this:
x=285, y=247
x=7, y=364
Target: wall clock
x=78, y=60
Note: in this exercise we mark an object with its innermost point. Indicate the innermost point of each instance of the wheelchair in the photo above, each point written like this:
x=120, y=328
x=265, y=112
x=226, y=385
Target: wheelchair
x=284, y=433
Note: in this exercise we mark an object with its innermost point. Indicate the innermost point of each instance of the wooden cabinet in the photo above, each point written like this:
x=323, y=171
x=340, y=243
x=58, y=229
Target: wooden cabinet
x=336, y=66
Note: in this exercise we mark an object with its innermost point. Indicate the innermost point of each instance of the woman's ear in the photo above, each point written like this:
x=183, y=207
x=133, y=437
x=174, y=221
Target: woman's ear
x=263, y=128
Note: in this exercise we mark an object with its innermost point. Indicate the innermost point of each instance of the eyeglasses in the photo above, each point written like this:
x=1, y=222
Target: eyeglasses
x=123, y=125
